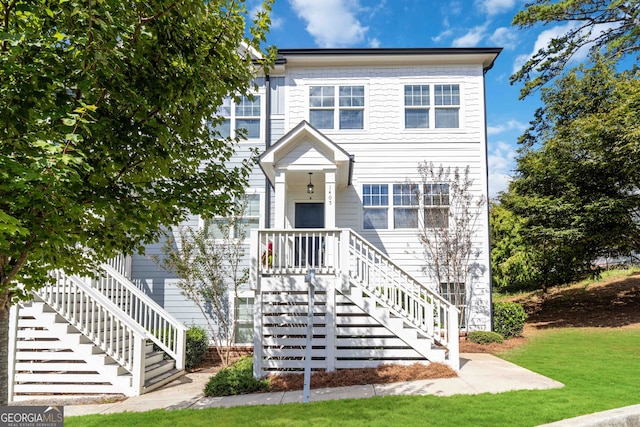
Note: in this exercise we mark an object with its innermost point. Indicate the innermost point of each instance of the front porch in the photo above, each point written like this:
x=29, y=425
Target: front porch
x=366, y=309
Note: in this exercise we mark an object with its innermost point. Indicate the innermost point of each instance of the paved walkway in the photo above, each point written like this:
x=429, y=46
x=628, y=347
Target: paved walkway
x=479, y=373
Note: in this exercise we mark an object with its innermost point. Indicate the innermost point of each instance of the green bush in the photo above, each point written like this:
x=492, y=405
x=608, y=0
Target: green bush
x=508, y=319
x=197, y=346
x=484, y=337
x=236, y=379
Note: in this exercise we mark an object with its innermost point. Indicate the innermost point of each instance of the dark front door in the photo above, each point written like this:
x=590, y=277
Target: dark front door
x=309, y=249
x=309, y=215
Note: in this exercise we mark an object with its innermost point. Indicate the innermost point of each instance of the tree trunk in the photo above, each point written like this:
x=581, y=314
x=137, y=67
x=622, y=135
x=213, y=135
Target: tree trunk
x=4, y=355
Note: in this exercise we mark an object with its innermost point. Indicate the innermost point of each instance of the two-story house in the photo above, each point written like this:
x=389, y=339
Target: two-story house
x=341, y=133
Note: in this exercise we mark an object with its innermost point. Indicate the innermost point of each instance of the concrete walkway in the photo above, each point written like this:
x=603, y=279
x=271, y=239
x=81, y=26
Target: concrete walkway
x=479, y=373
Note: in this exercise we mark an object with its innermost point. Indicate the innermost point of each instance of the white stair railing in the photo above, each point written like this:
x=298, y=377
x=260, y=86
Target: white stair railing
x=392, y=286
x=99, y=320
x=164, y=330
x=344, y=252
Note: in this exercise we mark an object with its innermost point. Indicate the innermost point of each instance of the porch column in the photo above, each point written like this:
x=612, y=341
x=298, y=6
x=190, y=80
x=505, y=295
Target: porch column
x=330, y=199
x=281, y=200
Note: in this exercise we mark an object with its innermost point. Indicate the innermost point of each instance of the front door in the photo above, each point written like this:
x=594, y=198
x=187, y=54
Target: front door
x=309, y=249
x=309, y=215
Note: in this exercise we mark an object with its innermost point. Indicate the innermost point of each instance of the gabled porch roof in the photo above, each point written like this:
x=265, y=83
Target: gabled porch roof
x=304, y=148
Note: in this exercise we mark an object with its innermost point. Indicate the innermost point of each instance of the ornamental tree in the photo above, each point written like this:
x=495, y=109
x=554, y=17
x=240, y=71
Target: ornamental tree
x=107, y=128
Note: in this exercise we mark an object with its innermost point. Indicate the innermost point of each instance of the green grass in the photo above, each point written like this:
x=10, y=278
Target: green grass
x=599, y=367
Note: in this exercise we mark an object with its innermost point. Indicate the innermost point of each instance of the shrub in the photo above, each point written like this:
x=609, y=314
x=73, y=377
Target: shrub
x=508, y=319
x=236, y=379
x=484, y=337
x=197, y=346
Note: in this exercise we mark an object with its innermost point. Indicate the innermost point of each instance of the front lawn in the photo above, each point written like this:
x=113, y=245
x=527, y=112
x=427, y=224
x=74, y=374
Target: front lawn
x=599, y=367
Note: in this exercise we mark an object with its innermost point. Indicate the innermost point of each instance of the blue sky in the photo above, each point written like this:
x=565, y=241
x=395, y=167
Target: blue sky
x=429, y=23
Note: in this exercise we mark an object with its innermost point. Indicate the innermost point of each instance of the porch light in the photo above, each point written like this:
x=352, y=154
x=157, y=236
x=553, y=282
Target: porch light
x=310, y=185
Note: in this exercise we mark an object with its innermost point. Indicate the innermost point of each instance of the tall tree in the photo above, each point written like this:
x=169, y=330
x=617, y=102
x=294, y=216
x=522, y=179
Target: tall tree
x=103, y=135
x=577, y=185
x=513, y=262
x=603, y=26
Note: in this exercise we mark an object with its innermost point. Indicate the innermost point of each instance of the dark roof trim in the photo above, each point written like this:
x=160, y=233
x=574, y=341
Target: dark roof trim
x=344, y=53
x=391, y=51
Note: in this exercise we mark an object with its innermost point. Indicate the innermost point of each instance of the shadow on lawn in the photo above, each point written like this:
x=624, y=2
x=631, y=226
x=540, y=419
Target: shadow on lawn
x=606, y=305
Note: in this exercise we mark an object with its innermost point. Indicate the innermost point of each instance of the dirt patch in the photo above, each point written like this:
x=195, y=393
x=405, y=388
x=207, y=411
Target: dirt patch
x=383, y=374
x=612, y=304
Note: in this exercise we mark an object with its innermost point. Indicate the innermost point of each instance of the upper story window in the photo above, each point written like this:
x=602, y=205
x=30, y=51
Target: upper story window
x=409, y=206
x=242, y=115
x=416, y=106
x=447, y=101
x=349, y=113
x=418, y=103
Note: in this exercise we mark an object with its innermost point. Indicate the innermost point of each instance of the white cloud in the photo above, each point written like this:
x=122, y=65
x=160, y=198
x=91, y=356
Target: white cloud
x=508, y=126
x=472, y=38
x=504, y=37
x=374, y=43
x=332, y=23
x=442, y=35
x=501, y=164
x=494, y=7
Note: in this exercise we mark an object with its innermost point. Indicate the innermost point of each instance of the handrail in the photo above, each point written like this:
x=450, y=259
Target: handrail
x=100, y=320
x=381, y=277
x=295, y=251
x=163, y=329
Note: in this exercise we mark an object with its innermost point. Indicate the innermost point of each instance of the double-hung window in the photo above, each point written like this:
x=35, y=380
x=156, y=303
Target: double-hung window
x=244, y=320
x=244, y=114
x=375, y=199
x=432, y=106
x=447, y=102
x=416, y=106
x=436, y=205
x=240, y=227
x=347, y=114
x=405, y=205
x=322, y=106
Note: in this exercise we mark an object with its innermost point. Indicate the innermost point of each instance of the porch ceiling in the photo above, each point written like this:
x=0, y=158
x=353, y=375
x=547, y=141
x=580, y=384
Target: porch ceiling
x=305, y=149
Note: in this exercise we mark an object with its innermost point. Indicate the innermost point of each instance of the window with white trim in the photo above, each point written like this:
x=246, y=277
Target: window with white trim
x=416, y=106
x=436, y=205
x=349, y=113
x=427, y=106
x=244, y=320
x=220, y=227
x=409, y=206
x=375, y=199
x=447, y=103
x=245, y=114
x=405, y=205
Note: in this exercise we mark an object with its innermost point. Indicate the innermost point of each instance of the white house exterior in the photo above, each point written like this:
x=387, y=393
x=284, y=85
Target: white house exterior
x=354, y=123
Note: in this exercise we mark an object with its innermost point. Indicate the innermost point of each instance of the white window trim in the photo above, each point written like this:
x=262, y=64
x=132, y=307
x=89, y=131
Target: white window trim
x=336, y=113
x=251, y=191
x=421, y=207
x=233, y=117
x=432, y=107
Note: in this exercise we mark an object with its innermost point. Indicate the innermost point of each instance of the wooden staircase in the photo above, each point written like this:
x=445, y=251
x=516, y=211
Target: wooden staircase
x=76, y=338
x=366, y=309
